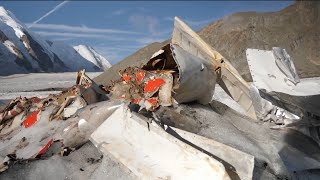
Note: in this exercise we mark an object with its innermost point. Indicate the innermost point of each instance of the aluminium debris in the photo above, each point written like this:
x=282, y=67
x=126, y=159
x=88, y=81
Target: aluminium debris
x=150, y=152
x=153, y=147
x=29, y=126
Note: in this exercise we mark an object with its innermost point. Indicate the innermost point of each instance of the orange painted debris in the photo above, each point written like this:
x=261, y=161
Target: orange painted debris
x=74, y=89
x=136, y=101
x=46, y=147
x=31, y=119
x=126, y=78
x=153, y=101
x=36, y=99
x=153, y=85
x=140, y=75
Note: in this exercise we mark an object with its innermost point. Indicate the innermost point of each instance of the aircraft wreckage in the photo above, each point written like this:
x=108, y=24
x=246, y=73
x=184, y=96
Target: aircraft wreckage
x=138, y=120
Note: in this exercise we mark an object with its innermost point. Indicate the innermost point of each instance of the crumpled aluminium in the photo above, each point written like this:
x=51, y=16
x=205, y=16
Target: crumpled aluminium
x=29, y=126
x=171, y=75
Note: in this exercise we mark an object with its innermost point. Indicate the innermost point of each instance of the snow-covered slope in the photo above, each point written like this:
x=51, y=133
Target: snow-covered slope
x=22, y=51
x=90, y=54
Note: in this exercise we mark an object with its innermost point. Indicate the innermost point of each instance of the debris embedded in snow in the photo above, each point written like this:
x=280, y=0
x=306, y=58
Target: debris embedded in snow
x=140, y=113
x=42, y=122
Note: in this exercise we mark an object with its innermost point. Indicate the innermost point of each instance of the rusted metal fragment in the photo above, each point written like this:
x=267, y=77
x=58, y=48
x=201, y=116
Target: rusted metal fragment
x=31, y=119
x=150, y=152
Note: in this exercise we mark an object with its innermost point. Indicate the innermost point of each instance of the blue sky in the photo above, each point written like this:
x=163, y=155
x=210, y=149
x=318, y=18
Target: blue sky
x=117, y=29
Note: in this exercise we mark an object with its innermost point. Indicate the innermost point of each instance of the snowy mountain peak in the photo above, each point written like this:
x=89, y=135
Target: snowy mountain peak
x=9, y=19
x=3, y=11
x=22, y=51
x=93, y=56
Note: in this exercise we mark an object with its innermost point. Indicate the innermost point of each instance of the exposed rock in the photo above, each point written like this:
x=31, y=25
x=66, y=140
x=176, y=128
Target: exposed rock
x=295, y=28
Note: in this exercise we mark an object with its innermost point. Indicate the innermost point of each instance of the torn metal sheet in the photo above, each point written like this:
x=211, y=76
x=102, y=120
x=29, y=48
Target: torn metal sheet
x=88, y=119
x=301, y=99
x=172, y=73
x=90, y=90
x=14, y=108
x=228, y=77
x=29, y=126
x=195, y=68
x=150, y=152
x=30, y=142
x=238, y=164
x=196, y=80
x=31, y=119
x=276, y=85
x=267, y=76
x=285, y=64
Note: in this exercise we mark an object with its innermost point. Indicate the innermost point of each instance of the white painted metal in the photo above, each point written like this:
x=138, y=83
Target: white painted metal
x=242, y=163
x=239, y=89
x=150, y=152
x=266, y=75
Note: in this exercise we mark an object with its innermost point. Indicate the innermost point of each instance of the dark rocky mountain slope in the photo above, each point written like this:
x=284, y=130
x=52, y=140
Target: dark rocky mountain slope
x=295, y=28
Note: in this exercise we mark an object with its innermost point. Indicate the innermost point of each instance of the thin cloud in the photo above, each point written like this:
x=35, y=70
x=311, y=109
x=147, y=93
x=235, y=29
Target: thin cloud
x=120, y=48
x=80, y=35
x=62, y=39
x=193, y=22
x=83, y=28
x=112, y=55
x=119, y=12
x=199, y=23
x=149, y=22
x=149, y=40
x=169, y=18
x=50, y=12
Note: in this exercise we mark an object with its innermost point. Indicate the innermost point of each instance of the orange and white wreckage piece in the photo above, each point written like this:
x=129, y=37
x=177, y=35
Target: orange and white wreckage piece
x=123, y=120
